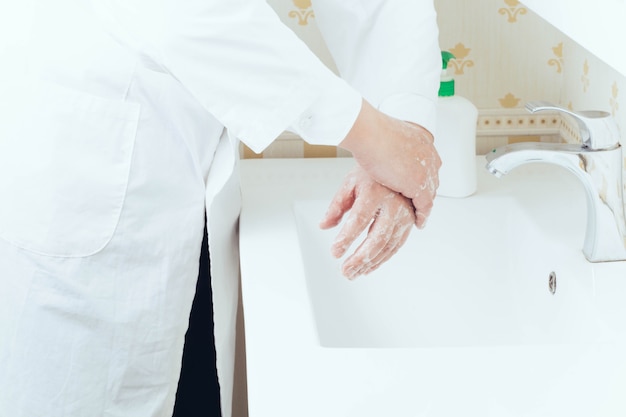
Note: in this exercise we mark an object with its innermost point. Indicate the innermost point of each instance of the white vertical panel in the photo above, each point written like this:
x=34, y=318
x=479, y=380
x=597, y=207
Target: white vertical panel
x=597, y=25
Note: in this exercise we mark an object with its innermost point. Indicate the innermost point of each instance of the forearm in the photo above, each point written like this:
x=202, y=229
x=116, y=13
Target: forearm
x=378, y=141
x=397, y=154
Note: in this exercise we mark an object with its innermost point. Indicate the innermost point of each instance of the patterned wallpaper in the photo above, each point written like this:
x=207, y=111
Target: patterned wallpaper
x=505, y=56
x=516, y=57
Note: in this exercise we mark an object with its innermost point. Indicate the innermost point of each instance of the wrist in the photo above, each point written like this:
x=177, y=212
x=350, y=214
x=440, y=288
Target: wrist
x=364, y=131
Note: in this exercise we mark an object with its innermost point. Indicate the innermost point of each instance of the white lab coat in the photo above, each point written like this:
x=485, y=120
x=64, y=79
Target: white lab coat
x=119, y=122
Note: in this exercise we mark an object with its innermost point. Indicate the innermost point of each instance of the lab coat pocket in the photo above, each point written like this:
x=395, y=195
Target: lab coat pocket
x=64, y=169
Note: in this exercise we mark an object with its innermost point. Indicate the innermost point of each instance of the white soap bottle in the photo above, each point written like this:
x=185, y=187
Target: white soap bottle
x=455, y=138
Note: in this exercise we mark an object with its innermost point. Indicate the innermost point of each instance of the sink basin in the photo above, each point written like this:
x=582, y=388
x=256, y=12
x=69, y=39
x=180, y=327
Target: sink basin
x=463, y=320
x=477, y=275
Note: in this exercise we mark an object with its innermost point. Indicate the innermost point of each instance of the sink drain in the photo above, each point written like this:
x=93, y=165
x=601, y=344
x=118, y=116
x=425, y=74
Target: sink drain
x=552, y=282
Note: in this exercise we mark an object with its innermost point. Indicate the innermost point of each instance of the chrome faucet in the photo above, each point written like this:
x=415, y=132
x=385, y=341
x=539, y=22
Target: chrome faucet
x=597, y=162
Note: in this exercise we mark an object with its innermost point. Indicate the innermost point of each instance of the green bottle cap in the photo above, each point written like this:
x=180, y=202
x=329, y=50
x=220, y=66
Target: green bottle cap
x=445, y=58
x=446, y=86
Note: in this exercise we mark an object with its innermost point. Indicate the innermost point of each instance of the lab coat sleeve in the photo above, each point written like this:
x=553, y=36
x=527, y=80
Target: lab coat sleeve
x=241, y=63
x=388, y=50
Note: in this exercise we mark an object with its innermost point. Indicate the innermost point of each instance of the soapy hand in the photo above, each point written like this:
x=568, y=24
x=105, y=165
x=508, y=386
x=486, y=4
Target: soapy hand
x=397, y=154
x=388, y=214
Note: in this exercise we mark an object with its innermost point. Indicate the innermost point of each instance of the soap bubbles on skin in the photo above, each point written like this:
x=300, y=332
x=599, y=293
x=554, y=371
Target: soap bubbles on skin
x=394, y=239
x=385, y=216
x=373, y=193
x=415, y=164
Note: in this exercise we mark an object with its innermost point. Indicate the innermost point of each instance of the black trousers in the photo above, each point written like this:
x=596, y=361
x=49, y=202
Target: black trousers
x=198, y=388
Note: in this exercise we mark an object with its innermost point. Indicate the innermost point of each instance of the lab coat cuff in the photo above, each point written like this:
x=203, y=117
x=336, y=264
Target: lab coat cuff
x=411, y=108
x=331, y=116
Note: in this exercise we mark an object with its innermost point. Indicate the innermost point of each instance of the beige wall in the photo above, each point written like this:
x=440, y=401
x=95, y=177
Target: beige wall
x=505, y=53
x=506, y=56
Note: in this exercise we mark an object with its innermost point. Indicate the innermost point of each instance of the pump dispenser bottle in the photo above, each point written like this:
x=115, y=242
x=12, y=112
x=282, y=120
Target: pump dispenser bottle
x=455, y=138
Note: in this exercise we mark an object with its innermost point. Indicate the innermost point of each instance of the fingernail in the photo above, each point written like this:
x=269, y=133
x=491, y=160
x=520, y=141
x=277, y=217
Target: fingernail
x=355, y=272
x=420, y=220
x=350, y=273
x=337, y=250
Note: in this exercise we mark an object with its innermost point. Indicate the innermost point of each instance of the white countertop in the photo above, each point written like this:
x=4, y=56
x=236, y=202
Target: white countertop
x=291, y=375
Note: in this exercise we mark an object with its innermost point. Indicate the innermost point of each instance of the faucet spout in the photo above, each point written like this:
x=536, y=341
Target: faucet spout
x=600, y=171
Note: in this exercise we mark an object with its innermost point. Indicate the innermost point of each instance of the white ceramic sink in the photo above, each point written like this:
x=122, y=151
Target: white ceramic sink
x=462, y=321
x=478, y=275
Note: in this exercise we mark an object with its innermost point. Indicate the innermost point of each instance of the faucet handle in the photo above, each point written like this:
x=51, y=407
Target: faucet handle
x=598, y=129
